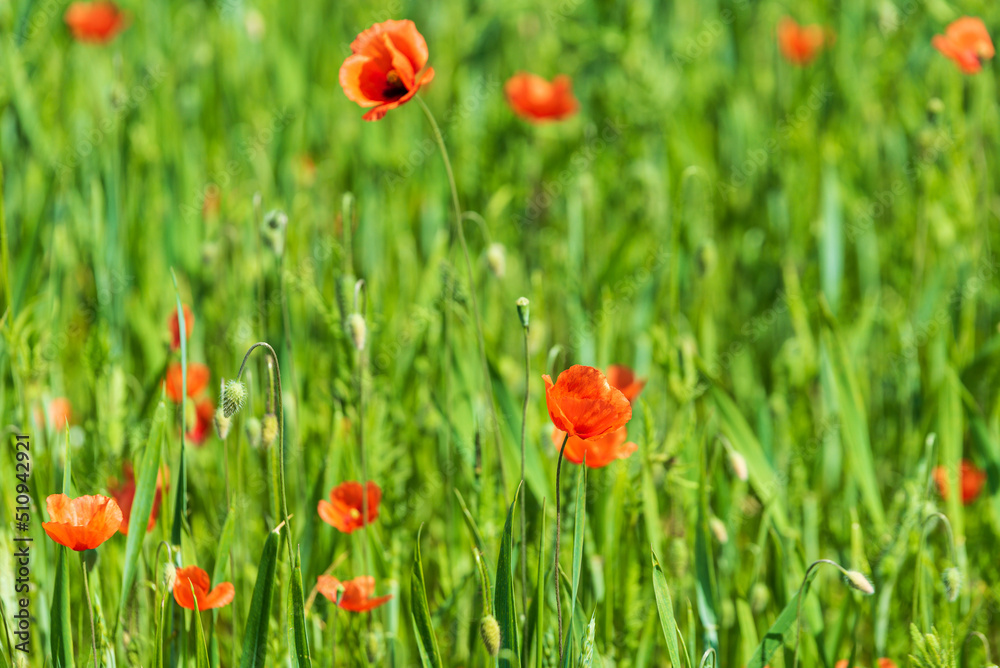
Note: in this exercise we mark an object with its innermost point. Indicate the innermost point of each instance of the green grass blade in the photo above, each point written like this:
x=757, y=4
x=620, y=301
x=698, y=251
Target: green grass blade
x=225, y=543
x=538, y=605
x=503, y=596
x=665, y=608
x=201, y=653
x=180, y=504
x=430, y=657
x=297, y=608
x=470, y=523
x=256, y=628
x=781, y=632
x=142, y=506
x=61, y=643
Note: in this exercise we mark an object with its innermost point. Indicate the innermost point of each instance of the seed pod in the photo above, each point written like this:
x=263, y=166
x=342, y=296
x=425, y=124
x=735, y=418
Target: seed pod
x=860, y=581
x=234, y=394
x=169, y=576
x=523, y=311
x=489, y=630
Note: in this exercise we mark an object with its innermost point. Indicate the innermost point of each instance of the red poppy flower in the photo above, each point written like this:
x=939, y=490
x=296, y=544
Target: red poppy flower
x=60, y=412
x=192, y=576
x=344, y=509
x=204, y=413
x=799, y=44
x=82, y=523
x=175, y=327
x=583, y=404
x=600, y=451
x=886, y=663
x=972, y=481
x=965, y=42
x=386, y=68
x=355, y=595
x=623, y=378
x=95, y=22
x=198, y=375
x=536, y=100
x=124, y=494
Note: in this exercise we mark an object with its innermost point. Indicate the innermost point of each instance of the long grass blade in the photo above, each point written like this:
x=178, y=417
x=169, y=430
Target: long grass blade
x=256, y=629
x=665, y=608
x=427, y=645
x=503, y=596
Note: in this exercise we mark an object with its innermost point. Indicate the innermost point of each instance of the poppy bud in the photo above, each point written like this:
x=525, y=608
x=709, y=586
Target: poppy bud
x=859, y=581
x=760, y=596
x=489, y=630
x=169, y=576
x=952, y=579
x=739, y=464
x=268, y=430
x=718, y=528
x=234, y=393
x=496, y=258
x=523, y=311
x=934, y=107
x=273, y=231
x=253, y=430
x=222, y=423
x=356, y=323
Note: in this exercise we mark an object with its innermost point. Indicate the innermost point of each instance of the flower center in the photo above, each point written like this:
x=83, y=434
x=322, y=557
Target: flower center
x=394, y=86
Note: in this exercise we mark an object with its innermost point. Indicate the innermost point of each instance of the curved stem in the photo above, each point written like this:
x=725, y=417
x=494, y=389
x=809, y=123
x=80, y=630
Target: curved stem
x=439, y=138
x=803, y=590
x=281, y=438
x=558, y=527
x=90, y=606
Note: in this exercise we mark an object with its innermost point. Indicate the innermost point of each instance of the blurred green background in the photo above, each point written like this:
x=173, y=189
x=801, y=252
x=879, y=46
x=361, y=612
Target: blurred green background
x=798, y=259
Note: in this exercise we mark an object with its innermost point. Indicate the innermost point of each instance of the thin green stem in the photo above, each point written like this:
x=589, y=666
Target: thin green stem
x=558, y=528
x=803, y=590
x=439, y=138
x=524, y=531
x=90, y=607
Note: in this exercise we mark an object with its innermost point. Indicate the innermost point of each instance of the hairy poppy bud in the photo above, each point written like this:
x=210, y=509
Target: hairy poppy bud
x=253, y=430
x=169, y=576
x=489, y=629
x=523, y=311
x=359, y=331
x=273, y=231
x=952, y=579
x=496, y=258
x=234, y=394
x=222, y=423
x=860, y=582
x=268, y=430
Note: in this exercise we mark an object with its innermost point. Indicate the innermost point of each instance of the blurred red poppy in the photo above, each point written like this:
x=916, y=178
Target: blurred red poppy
x=886, y=663
x=192, y=576
x=124, y=494
x=355, y=595
x=60, y=412
x=537, y=100
x=95, y=22
x=972, y=481
x=624, y=379
x=966, y=43
x=175, y=327
x=344, y=509
x=204, y=413
x=583, y=404
x=600, y=451
x=82, y=523
x=386, y=68
x=197, y=380
x=799, y=44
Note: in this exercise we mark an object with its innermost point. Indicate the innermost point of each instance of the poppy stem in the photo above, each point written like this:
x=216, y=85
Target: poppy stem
x=439, y=138
x=524, y=531
x=360, y=290
x=90, y=606
x=558, y=526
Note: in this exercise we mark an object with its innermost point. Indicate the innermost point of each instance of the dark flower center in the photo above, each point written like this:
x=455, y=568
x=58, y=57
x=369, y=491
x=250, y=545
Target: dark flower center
x=394, y=85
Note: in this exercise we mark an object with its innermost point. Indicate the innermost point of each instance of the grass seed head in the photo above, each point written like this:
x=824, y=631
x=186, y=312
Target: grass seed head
x=489, y=630
x=234, y=395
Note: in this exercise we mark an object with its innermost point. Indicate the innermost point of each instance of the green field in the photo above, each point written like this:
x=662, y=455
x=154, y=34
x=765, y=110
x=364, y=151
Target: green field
x=798, y=260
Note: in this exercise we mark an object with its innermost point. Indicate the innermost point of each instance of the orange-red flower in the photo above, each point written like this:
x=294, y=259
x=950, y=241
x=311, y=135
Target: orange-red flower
x=204, y=413
x=965, y=42
x=600, y=451
x=882, y=663
x=175, y=327
x=82, y=523
x=972, y=481
x=198, y=375
x=537, y=100
x=799, y=44
x=344, y=509
x=624, y=379
x=387, y=66
x=124, y=494
x=60, y=412
x=355, y=595
x=192, y=576
x=95, y=22
x=583, y=404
